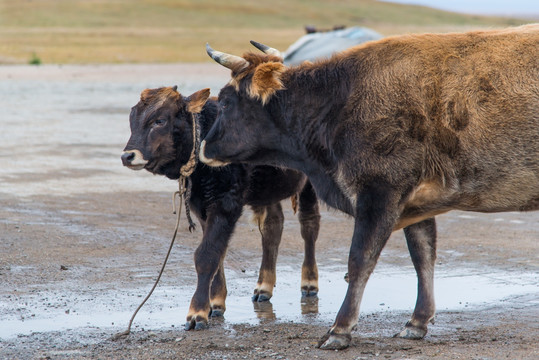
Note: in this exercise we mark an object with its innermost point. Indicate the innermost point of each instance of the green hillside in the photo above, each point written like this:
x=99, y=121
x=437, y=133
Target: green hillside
x=112, y=31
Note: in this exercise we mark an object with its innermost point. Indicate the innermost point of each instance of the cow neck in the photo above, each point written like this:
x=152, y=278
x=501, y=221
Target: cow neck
x=311, y=124
x=311, y=120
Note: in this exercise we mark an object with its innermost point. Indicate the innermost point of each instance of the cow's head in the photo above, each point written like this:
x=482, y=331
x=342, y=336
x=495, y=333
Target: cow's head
x=244, y=128
x=161, y=130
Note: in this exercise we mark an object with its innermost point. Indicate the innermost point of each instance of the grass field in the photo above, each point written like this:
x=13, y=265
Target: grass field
x=143, y=31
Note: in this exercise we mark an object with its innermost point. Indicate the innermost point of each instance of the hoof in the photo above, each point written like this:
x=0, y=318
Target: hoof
x=217, y=312
x=198, y=324
x=261, y=297
x=309, y=291
x=411, y=333
x=335, y=341
x=201, y=325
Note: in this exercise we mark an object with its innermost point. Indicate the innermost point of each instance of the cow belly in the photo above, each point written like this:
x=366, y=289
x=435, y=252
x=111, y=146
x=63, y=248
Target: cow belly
x=430, y=199
x=408, y=220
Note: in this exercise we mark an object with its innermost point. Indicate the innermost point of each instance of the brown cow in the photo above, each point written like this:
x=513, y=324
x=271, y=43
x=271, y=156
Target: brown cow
x=393, y=132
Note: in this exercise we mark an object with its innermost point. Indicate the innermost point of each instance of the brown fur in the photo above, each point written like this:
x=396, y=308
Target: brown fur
x=196, y=101
x=395, y=132
x=157, y=97
x=266, y=81
x=240, y=71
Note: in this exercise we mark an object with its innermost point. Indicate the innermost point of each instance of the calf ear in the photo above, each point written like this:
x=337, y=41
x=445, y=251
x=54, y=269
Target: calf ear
x=195, y=102
x=267, y=80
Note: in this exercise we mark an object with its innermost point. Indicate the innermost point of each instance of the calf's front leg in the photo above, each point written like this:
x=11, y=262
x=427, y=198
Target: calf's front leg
x=209, y=258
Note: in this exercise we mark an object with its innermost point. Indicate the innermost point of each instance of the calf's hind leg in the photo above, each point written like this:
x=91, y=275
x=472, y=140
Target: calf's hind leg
x=270, y=223
x=421, y=240
x=309, y=218
x=218, y=292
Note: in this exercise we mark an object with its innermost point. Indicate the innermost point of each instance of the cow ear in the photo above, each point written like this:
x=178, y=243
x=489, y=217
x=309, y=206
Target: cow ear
x=195, y=102
x=267, y=80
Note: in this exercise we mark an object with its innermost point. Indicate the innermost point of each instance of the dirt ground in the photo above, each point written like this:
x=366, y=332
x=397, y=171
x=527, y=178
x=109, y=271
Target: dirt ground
x=82, y=240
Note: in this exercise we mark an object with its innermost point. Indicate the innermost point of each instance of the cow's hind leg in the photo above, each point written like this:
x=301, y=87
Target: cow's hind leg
x=309, y=218
x=421, y=240
x=270, y=222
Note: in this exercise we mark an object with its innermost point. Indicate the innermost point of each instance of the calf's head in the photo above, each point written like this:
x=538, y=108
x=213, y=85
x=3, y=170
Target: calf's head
x=161, y=130
x=245, y=129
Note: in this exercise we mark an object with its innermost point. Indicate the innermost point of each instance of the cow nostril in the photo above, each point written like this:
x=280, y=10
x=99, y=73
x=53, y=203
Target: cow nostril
x=128, y=157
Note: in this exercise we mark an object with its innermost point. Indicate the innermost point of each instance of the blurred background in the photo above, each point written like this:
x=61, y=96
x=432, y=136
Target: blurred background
x=156, y=31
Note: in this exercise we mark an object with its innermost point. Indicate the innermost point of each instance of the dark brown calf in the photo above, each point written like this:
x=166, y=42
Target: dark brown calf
x=161, y=142
x=393, y=132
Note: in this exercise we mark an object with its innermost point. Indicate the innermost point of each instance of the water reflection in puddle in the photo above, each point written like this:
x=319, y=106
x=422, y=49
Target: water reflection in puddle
x=389, y=289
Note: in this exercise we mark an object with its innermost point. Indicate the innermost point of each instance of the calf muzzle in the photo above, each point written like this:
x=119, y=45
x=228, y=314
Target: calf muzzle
x=133, y=159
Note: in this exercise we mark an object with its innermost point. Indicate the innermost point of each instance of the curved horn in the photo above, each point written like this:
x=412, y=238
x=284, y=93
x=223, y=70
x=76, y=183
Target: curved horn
x=227, y=60
x=266, y=49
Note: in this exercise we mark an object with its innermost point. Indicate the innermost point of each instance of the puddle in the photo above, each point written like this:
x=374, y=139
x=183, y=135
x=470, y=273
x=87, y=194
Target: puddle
x=389, y=289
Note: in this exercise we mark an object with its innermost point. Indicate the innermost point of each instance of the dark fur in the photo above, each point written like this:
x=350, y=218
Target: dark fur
x=161, y=130
x=395, y=132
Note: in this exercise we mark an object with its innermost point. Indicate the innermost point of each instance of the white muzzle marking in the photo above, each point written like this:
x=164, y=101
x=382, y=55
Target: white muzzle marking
x=205, y=160
x=138, y=162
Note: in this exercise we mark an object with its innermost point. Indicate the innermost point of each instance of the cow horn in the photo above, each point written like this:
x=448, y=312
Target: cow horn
x=266, y=49
x=227, y=60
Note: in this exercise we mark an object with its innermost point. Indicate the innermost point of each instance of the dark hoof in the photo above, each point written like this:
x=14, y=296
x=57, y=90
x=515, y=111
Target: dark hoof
x=201, y=325
x=217, y=312
x=261, y=297
x=189, y=325
x=335, y=341
x=308, y=292
x=196, y=324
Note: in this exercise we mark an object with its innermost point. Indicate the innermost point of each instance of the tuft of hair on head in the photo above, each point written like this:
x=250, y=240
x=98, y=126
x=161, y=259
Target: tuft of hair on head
x=266, y=81
x=196, y=101
x=160, y=95
x=145, y=95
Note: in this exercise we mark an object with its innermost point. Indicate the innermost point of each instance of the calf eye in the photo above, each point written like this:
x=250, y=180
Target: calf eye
x=160, y=121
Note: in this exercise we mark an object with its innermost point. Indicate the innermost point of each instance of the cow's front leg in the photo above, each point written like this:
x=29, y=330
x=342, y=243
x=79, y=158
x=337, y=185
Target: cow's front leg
x=209, y=258
x=374, y=220
x=270, y=222
x=309, y=218
x=421, y=240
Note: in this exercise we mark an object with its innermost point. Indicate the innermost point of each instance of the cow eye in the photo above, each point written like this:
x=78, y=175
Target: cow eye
x=160, y=121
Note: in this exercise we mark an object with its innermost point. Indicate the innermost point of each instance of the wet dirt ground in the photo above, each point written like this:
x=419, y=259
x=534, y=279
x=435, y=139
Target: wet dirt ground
x=82, y=240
